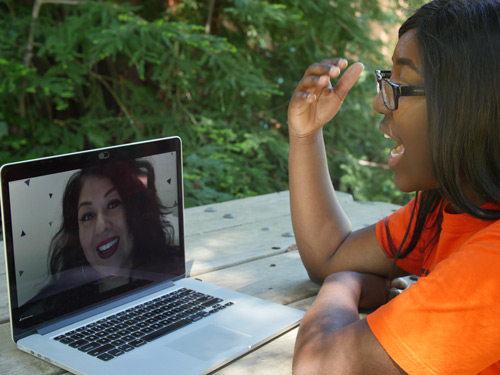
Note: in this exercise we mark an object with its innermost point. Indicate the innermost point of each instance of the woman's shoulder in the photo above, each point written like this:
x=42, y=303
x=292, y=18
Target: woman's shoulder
x=399, y=220
x=489, y=233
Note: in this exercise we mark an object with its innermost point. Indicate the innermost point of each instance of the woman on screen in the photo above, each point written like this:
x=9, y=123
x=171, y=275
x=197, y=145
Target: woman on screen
x=113, y=225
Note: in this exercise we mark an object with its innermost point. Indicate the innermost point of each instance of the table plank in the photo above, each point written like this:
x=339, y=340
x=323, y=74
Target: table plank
x=257, y=230
x=280, y=278
x=231, y=246
x=211, y=217
x=260, y=208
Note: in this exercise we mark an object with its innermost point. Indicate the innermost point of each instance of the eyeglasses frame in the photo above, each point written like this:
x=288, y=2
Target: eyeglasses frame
x=398, y=90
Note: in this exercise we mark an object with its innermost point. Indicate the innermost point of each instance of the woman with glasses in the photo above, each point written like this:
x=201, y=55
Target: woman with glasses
x=440, y=104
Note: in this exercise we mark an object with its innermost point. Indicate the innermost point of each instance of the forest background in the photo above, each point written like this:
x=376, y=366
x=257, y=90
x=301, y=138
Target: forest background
x=78, y=74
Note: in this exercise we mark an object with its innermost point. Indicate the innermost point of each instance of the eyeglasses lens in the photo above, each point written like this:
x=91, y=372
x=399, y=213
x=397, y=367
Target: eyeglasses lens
x=388, y=95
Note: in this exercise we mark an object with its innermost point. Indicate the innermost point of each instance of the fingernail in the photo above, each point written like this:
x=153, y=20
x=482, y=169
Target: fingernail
x=334, y=68
x=311, y=97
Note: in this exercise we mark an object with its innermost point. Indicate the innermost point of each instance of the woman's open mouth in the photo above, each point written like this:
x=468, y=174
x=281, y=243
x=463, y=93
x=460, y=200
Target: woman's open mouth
x=107, y=248
x=395, y=153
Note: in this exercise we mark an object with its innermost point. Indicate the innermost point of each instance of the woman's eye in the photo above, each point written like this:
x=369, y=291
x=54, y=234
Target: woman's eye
x=114, y=203
x=87, y=216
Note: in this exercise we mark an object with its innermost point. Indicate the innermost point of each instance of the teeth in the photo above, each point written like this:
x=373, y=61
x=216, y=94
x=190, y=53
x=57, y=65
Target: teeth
x=387, y=136
x=108, y=245
x=398, y=150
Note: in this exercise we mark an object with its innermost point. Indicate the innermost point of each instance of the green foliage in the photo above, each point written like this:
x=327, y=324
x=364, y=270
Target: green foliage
x=239, y=164
x=104, y=73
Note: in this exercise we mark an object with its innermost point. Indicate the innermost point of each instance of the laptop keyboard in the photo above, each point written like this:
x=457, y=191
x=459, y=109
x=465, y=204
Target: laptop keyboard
x=120, y=333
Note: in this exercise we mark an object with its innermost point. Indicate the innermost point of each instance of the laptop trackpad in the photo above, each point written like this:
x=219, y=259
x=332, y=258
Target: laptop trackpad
x=209, y=341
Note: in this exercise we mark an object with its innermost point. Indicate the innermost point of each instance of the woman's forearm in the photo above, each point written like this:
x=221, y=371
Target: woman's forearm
x=330, y=332
x=319, y=222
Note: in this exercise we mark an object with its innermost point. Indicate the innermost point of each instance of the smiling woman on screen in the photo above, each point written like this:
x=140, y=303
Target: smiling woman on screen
x=113, y=226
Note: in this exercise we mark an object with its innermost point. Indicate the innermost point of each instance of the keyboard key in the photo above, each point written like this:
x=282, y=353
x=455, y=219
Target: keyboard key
x=78, y=343
x=196, y=317
x=211, y=302
x=137, y=343
x=66, y=340
x=118, y=342
x=105, y=357
x=88, y=347
x=126, y=348
x=100, y=350
x=116, y=352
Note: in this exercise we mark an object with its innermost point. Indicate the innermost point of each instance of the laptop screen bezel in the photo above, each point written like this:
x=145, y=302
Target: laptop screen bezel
x=75, y=161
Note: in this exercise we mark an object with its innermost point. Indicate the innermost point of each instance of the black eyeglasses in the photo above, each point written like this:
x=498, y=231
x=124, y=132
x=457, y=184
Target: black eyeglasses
x=392, y=91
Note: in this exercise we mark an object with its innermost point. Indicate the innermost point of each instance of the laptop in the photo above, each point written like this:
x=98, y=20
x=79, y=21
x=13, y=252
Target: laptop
x=95, y=259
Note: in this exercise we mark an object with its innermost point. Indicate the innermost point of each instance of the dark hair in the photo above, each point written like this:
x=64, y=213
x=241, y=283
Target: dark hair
x=145, y=216
x=459, y=45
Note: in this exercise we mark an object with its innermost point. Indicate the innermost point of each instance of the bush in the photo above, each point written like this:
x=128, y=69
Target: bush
x=104, y=73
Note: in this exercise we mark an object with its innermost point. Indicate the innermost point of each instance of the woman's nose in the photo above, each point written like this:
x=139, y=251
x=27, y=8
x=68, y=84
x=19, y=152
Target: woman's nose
x=378, y=104
x=103, y=223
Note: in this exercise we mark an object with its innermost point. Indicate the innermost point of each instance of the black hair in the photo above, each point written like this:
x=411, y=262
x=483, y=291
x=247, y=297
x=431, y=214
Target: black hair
x=459, y=46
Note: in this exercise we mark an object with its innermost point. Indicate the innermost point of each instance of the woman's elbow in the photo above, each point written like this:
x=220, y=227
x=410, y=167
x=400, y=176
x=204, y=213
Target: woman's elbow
x=315, y=276
x=304, y=362
x=320, y=271
x=310, y=361
x=316, y=270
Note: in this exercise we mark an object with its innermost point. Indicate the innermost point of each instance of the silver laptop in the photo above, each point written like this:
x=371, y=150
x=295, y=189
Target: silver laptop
x=95, y=255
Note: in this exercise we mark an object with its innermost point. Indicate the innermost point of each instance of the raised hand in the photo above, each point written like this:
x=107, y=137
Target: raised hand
x=315, y=101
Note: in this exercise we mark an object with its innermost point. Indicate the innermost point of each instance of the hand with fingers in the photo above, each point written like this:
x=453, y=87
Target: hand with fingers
x=397, y=286
x=315, y=101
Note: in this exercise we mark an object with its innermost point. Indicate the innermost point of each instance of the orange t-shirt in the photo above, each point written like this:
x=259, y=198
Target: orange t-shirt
x=449, y=321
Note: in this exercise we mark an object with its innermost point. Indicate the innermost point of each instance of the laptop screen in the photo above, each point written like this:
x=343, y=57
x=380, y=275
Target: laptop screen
x=88, y=228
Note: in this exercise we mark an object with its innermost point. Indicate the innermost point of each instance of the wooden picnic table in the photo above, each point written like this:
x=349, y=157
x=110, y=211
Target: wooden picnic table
x=245, y=245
